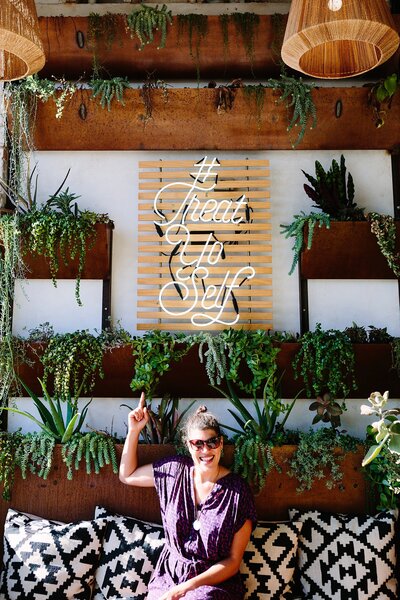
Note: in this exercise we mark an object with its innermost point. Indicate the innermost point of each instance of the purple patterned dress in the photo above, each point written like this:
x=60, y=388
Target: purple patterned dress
x=188, y=552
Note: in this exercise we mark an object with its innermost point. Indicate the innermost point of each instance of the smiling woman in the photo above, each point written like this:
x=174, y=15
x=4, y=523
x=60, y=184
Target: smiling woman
x=208, y=512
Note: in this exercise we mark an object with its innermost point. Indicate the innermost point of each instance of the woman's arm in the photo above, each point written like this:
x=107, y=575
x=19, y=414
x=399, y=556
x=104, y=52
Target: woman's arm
x=219, y=572
x=129, y=472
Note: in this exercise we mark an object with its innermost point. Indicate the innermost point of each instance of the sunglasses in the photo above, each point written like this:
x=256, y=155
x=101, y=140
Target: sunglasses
x=211, y=443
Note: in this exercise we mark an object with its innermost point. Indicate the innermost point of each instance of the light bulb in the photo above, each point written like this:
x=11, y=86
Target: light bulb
x=335, y=4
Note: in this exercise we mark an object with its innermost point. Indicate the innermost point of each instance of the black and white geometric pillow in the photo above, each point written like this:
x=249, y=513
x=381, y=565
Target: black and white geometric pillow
x=130, y=552
x=48, y=560
x=346, y=556
x=269, y=561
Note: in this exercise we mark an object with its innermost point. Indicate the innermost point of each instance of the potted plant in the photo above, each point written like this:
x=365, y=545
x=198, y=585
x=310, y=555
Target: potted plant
x=382, y=460
x=347, y=244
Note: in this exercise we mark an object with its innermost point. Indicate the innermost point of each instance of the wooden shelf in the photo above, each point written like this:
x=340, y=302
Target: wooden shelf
x=189, y=121
x=188, y=378
x=347, y=250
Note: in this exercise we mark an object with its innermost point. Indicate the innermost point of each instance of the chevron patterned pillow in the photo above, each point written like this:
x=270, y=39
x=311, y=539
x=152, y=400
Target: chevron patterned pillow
x=49, y=560
x=269, y=561
x=130, y=552
x=347, y=556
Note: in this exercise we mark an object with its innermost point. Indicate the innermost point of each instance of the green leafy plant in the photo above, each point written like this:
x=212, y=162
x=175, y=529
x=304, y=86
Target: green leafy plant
x=101, y=29
x=326, y=362
x=142, y=24
x=9, y=444
x=165, y=419
x=396, y=354
x=386, y=429
x=11, y=267
x=154, y=354
x=108, y=90
x=253, y=459
x=379, y=335
x=255, y=96
x=382, y=460
x=297, y=228
x=384, y=228
x=333, y=192
x=381, y=96
x=357, y=334
x=318, y=456
x=53, y=421
x=75, y=359
x=246, y=25
x=95, y=448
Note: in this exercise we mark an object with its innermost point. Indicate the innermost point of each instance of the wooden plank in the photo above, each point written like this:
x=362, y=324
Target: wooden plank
x=190, y=327
x=229, y=313
x=166, y=175
x=222, y=237
x=146, y=206
x=251, y=162
x=193, y=227
x=160, y=281
x=211, y=269
x=250, y=183
x=233, y=248
x=250, y=304
x=249, y=258
x=248, y=292
x=215, y=194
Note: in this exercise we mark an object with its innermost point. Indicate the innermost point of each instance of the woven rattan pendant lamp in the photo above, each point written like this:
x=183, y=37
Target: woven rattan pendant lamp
x=21, y=49
x=333, y=39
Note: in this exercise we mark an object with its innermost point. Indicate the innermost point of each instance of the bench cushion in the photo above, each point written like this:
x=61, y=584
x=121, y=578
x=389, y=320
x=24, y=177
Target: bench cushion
x=347, y=556
x=48, y=560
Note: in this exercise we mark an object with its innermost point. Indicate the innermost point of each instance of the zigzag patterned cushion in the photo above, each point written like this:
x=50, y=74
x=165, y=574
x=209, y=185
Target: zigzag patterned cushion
x=48, y=560
x=269, y=561
x=347, y=557
x=130, y=552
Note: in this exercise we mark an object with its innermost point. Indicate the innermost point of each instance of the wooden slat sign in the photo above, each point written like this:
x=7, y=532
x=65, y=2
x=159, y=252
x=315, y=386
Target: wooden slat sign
x=204, y=245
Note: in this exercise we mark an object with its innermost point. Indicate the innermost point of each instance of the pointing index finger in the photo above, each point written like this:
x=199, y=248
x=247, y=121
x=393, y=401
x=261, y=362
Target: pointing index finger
x=142, y=401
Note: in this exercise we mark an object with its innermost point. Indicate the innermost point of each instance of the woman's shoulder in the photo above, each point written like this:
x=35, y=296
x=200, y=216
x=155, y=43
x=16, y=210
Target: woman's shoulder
x=234, y=482
x=173, y=463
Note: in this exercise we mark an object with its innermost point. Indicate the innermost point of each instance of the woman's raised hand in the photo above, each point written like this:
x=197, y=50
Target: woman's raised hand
x=139, y=417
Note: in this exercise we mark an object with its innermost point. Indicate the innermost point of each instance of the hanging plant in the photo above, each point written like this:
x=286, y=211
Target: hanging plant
x=296, y=230
x=75, y=359
x=142, y=24
x=11, y=267
x=35, y=454
x=107, y=90
x=9, y=444
x=196, y=26
x=255, y=96
x=224, y=23
x=146, y=93
x=296, y=94
x=22, y=98
x=326, y=362
x=381, y=96
x=96, y=449
x=246, y=25
x=384, y=228
x=101, y=29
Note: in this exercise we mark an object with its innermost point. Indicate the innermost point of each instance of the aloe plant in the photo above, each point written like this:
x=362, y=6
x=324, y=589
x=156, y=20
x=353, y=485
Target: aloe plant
x=57, y=425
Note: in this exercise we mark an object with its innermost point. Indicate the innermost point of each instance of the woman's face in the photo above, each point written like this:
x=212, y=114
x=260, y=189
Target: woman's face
x=206, y=457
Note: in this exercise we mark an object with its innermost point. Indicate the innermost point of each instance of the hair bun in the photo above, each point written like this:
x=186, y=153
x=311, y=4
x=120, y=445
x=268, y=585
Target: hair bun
x=201, y=409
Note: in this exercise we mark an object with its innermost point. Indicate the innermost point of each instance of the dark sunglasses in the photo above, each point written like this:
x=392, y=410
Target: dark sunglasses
x=211, y=443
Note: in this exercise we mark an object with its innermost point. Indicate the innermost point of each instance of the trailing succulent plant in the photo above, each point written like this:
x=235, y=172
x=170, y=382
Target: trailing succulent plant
x=196, y=26
x=9, y=444
x=96, y=449
x=325, y=361
x=333, y=192
x=297, y=228
x=108, y=90
x=142, y=24
x=34, y=454
x=75, y=360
